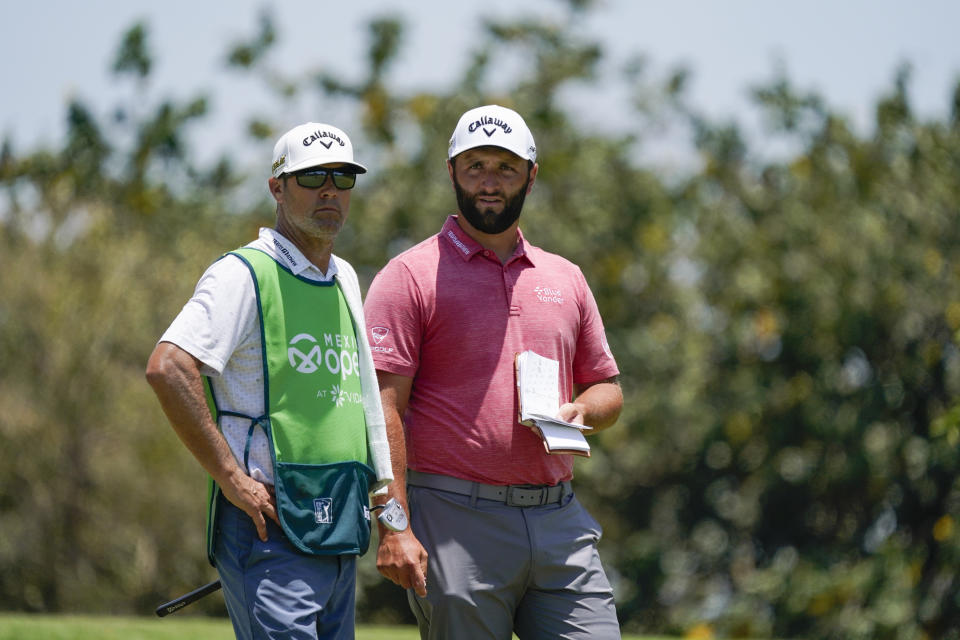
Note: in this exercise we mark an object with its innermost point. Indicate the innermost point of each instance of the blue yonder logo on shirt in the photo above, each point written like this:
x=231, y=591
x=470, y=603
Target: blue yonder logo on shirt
x=549, y=294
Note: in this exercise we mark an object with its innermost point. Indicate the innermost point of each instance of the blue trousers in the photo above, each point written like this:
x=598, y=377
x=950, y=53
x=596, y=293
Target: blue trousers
x=274, y=591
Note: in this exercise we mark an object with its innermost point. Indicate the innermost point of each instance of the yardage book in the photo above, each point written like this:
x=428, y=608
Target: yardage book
x=538, y=394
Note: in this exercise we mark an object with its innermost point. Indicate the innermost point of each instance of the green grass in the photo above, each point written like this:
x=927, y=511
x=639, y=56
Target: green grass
x=35, y=627
x=71, y=627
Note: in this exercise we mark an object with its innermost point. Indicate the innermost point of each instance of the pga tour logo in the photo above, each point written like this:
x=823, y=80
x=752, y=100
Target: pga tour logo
x=323, y=510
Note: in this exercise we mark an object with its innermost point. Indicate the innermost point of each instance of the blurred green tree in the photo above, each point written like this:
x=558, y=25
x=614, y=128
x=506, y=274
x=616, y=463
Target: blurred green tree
x=785, y=313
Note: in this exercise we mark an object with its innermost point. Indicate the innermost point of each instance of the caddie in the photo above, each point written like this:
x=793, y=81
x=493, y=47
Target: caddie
x=266, y=376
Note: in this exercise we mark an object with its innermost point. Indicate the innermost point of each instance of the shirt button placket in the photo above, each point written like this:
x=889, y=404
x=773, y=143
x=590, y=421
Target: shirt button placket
x=508, y=289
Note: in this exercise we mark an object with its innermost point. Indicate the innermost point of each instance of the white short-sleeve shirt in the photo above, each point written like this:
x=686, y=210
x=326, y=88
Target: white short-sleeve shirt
x=220, y=326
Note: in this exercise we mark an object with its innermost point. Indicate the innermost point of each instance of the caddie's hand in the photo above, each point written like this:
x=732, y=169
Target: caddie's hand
x=255, y=498
x=403, y=560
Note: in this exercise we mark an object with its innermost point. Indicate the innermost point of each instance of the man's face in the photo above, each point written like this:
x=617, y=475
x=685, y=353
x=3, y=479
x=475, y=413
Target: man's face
x=491, y=185
x=317, y=213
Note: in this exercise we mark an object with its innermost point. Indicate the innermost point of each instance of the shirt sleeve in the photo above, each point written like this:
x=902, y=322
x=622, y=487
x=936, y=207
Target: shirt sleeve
x=394, y=312
x=219, y=318
x=593, y=360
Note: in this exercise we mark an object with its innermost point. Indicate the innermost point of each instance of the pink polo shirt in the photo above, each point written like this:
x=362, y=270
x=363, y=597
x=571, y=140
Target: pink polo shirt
x=450, y=315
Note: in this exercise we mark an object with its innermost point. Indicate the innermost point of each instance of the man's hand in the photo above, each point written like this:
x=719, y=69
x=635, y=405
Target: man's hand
x=400, y=557
x=403, y=560
x=176, y=377
x=597, y=404
x=570, y=412
x=255, y=498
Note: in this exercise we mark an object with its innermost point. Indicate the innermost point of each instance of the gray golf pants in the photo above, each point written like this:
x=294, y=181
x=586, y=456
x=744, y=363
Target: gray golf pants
x=496, y=569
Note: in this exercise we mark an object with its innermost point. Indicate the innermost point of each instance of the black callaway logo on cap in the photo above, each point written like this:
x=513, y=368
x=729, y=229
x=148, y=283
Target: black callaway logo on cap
x=318, y=135
x=487, y=120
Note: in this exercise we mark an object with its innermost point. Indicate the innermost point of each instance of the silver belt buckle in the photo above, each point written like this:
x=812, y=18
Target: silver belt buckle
x=522, y=497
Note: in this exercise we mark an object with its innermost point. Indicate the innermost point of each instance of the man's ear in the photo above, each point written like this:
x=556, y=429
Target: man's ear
x=450, y=170
x=534, y=170
x=276, y=189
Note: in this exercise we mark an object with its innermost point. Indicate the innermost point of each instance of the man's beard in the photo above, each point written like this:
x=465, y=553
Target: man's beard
x=488, y=221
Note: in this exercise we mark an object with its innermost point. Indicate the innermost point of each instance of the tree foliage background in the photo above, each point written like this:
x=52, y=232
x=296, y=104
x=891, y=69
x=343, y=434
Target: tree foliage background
x=787, y=329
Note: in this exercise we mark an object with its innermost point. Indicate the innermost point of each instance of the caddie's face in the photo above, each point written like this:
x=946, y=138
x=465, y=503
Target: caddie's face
x=318, y=213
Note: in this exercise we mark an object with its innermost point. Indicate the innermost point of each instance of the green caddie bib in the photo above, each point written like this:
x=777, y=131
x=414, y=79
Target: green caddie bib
x=314, y=416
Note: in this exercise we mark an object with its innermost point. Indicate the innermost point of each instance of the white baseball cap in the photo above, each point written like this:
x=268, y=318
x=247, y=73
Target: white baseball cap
x=496, y=126
x=310, y=145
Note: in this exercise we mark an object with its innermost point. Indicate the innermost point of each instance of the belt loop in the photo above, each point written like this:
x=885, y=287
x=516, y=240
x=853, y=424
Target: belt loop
x=474, y=490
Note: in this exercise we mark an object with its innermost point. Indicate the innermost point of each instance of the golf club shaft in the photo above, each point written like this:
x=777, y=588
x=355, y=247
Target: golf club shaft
x=175, y=605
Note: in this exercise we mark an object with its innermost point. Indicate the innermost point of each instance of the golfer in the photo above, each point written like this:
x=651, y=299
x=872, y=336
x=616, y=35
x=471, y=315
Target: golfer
x=510, y=548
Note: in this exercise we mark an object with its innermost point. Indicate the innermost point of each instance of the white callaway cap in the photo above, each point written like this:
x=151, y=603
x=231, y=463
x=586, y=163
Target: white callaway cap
x=496, y=126
x=310, y=145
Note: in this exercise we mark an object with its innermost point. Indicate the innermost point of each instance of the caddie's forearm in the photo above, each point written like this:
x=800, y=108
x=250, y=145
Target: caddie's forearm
x=600, y=403
x=178, y=385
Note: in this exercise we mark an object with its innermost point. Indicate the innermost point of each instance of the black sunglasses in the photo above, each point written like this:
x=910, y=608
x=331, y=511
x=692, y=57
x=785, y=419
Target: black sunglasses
x=316, y=178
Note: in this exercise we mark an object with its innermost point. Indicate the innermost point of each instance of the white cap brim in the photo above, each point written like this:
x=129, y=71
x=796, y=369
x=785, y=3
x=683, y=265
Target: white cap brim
x=313, y=144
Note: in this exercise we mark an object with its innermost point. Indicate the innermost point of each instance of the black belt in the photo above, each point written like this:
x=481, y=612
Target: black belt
x=514, y=495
